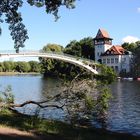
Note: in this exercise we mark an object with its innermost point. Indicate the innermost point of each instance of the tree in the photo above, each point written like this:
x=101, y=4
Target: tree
x=53, y=48
x=8, y=66
x=48, y=66
x=22, y=66
x=35, y=66
x=1, y=67
x=73, y=48
x=87, y=48
x=107, y=74
x=83, y=48
x=57, y=67
x=130, y=46
x=9, y=8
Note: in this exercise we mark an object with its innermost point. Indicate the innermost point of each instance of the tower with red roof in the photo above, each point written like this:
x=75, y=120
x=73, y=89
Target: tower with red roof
x=102, y=42
x=114, y=56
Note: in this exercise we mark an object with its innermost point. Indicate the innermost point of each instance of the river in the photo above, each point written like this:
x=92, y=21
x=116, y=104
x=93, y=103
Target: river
x=124, y=110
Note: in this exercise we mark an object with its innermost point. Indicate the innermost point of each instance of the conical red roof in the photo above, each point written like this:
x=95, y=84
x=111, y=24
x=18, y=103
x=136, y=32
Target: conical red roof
x=102, y=34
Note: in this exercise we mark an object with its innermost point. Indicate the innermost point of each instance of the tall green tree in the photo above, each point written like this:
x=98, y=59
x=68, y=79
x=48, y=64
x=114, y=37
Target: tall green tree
x=49, y=65
x=83, y=48
x=87, y=48
x=73, y=48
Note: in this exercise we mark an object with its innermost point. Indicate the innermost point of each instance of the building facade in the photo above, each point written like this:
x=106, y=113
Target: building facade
x=114, y=56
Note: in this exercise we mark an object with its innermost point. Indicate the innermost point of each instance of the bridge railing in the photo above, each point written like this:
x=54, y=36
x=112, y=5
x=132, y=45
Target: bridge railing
x=69, y=56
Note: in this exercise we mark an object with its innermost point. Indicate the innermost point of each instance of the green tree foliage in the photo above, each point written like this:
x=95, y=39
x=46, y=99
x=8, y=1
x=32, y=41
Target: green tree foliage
x=34, y=66
x=9, y=10
x=52, y=6
x=130, y=47
x=107, y=74
x=57, y=67
x=1, y=67
x=52, y=48
x=73, y=48
x=22, y=66
x=8, y=66
x=87, y=48
x=48, y=66
x=6, y=97
x=83, y=48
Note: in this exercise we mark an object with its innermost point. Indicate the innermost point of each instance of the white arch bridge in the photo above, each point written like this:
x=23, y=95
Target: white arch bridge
x=84, y=63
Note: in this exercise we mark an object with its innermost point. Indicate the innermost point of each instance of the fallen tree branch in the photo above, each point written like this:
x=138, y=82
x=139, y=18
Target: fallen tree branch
x=12, y=105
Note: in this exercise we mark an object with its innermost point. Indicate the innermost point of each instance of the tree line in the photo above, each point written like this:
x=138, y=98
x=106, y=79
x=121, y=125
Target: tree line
x=20, y=66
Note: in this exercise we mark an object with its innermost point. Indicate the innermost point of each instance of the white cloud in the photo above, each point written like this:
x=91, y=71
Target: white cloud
x=130, y=39
x=138, y=9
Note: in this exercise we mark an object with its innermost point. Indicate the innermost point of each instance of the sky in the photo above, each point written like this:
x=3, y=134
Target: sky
x=121, y=18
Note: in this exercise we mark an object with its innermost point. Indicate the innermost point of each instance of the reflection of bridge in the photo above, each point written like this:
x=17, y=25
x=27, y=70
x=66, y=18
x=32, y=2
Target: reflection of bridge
x=85, y=63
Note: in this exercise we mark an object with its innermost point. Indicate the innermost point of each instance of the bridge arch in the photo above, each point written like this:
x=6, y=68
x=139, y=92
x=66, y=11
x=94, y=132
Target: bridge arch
x=86, y=64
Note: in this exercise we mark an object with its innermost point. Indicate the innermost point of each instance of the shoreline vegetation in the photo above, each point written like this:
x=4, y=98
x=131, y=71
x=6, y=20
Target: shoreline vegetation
x=52, y=129
x=18, y=73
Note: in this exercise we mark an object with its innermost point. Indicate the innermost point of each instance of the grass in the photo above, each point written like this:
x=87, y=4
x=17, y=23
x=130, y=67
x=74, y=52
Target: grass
x=56, y=129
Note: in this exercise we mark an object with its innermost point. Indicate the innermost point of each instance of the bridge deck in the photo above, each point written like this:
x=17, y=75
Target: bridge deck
x=86, y=63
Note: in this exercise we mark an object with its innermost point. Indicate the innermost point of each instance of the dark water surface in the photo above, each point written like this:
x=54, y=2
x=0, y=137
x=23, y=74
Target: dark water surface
x=124, y=111
x=124, y=114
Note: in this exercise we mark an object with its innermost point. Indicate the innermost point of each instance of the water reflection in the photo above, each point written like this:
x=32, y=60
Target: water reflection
x=124, y=113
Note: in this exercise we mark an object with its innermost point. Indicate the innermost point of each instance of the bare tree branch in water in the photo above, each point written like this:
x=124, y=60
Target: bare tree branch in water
x=80, y=98
x=36, y=103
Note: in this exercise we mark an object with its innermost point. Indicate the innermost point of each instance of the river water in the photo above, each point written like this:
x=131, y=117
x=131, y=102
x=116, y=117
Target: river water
x=124, y=111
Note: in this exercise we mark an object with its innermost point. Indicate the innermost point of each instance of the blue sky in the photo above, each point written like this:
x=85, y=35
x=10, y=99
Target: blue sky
x=121, y=18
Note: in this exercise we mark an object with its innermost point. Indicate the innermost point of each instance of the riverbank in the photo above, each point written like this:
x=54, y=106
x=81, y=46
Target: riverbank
x=34, y=128
x=18, y=73
x=11, y=133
